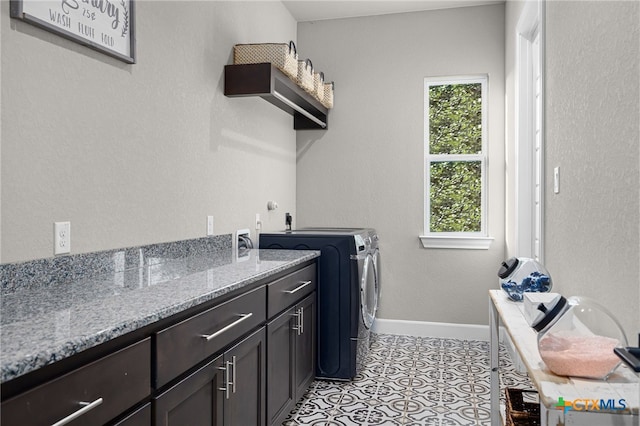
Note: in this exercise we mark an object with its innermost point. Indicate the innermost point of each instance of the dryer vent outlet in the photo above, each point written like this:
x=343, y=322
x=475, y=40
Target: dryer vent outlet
x=243, y=238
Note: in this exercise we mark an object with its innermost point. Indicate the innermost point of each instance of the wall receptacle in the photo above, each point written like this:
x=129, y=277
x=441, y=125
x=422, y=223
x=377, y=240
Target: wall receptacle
x=61, y=237
x=209, y=225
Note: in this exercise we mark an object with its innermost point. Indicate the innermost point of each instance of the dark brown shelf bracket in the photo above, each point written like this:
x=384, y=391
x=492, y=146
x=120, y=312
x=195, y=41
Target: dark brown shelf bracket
x=274, y=86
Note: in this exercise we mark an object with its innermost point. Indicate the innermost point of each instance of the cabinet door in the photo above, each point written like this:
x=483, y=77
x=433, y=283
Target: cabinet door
x=306, y=346
x=281, y=342
x=196, y=400
x=246, y=403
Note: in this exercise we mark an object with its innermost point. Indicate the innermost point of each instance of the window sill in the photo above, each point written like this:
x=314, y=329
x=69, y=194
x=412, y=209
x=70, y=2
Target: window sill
x=456, y=242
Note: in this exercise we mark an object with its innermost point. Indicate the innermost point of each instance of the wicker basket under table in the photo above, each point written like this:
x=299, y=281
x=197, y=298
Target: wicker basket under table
x=519, y=412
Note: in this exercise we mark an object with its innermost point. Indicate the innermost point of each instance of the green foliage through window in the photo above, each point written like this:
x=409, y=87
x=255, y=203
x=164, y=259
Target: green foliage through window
x=455, y=157
x=455, y=197
x=455, y=119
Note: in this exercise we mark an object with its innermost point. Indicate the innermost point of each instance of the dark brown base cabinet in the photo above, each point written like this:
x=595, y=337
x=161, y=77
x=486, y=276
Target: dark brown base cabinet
x=306, y=347
x=229, y=390
x=291, y=355
x=242, y=362
x=89, y=395
x=140, y=417
x=195, y=400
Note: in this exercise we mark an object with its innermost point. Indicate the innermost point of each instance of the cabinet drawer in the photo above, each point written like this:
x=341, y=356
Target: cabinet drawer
x=289, y=289
x=103, y=390
x=193, y=340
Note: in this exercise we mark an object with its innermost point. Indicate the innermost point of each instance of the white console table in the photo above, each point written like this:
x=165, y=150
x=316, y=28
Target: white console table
x=622, y=384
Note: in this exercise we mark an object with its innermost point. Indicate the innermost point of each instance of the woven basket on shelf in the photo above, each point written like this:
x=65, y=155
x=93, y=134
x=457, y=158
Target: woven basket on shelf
x=519, y=412
x=318, y=86
x=327, y=100
x=305, y=75
x=282, y=55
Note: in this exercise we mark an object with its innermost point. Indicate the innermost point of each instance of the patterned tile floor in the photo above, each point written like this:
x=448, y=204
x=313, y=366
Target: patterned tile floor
x=410, y=381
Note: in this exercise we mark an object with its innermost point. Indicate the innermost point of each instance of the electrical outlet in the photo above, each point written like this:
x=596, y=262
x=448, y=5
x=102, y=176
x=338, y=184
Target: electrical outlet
x=61, y=237
x=209, y=225
x=258, y=222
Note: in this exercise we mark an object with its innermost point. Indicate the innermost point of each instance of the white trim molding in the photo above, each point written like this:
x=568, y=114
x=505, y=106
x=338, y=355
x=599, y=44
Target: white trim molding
x=431, y=329
x=529, y=122
x=456, y=242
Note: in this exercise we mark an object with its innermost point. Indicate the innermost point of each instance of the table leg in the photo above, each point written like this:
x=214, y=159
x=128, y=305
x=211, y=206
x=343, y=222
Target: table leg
x=494, y=350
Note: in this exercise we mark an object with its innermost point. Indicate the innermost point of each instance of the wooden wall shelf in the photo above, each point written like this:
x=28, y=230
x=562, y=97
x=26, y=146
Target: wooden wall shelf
x=274, y=86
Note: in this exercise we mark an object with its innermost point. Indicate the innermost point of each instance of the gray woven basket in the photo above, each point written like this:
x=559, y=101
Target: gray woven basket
x=282, y=55
x=318, y=86
x=305, y=75
x=327, y=100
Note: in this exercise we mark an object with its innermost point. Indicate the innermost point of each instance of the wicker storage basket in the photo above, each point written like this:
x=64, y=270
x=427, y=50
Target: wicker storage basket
x=327, y=100
x=318, y=86
x=519, y=412
x=283, y=56
x=305, y=75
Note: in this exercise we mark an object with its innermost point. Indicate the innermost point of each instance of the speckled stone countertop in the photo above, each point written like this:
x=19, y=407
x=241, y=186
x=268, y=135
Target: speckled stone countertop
x=44, y=324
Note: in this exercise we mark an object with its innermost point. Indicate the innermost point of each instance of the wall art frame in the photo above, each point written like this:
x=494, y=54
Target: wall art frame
x=107, y=26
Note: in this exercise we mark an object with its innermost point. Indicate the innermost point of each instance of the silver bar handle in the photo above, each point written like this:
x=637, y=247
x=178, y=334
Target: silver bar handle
x=301, y=319
x=302, y=285
x=299, y=109
x=226, y=379
x=297, y=326
x=87, y=406
x=223, y=329
x=233, y=365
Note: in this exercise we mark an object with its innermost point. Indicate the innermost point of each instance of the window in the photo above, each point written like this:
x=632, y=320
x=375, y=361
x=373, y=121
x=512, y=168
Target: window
x=455, y=162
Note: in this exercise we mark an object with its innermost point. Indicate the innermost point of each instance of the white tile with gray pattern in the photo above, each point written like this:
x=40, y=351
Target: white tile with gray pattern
x=412, y=381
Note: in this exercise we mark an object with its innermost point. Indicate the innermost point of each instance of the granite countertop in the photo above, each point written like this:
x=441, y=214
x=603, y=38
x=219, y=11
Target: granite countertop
x=40, y=326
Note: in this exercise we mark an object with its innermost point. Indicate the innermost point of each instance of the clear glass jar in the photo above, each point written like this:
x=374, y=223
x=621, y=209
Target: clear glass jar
x=576, y=337
x=519, y=275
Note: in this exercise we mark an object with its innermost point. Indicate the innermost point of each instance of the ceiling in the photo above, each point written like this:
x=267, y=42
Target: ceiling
x=316, y=10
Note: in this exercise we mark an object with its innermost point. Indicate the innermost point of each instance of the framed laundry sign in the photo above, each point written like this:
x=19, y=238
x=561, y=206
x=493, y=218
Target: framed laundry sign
x=103, y=25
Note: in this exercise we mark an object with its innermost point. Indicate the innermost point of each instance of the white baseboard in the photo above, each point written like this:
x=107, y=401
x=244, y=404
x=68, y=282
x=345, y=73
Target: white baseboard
x=432, y=329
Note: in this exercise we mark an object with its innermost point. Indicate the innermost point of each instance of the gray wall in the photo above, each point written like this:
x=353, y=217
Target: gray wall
x=593, y=134
x=173, y=149
x=367, y=169
x=1, y=109
x=138, y=154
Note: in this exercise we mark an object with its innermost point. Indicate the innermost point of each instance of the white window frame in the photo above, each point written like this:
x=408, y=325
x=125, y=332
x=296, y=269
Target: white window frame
x=530, y=142
x=459, y=240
